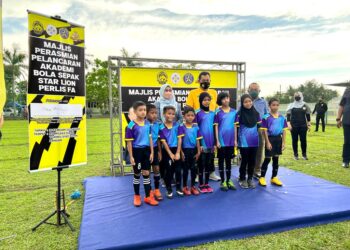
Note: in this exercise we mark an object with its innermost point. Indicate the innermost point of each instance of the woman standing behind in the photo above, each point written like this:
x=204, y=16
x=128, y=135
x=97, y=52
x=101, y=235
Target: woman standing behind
x=343, y=119
x=298, y=119
x=167, y=98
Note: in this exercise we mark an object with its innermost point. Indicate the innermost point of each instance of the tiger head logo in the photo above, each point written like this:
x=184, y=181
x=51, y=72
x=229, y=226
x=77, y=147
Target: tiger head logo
x=162, y=77
x=38, y=28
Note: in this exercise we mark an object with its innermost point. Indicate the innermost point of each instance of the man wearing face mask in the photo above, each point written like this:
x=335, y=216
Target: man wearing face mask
x=261, y=106
x=321, y=109
x=204, y=86
x=298, y=119
x=193, y=101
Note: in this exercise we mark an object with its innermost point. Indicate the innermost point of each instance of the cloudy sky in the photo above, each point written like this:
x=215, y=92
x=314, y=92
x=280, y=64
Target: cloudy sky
x=282, y=42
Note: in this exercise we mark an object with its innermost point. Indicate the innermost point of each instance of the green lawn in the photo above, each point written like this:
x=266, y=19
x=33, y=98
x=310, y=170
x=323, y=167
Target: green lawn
x=26, y=198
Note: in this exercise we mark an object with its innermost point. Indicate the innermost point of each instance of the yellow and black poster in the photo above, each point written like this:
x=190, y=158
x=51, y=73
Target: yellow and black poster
x=56, y=93
x=143, y=84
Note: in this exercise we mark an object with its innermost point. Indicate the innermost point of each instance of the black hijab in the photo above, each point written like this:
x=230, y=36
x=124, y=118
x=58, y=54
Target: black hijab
x=201, y=98
x=248, y=117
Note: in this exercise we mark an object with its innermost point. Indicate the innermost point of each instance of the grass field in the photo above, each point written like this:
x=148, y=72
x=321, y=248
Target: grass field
x=26, y=198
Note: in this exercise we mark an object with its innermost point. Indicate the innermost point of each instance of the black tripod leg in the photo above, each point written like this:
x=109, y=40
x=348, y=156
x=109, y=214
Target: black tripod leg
x=43, y=221
x=67, y=214
x=67, y=221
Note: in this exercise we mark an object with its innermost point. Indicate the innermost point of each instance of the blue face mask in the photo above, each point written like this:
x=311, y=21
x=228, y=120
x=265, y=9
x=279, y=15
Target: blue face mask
x=253, y=93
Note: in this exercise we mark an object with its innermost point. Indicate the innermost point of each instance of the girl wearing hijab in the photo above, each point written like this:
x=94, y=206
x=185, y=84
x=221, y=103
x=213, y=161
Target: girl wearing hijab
x=248, y=120
x=298, y=119
x=343, y=119
x=205, y=120
x=167, y=98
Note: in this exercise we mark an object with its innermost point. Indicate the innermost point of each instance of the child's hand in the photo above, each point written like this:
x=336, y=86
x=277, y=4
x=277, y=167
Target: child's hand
x=132, y=161
x=214, y=149
x=177, y=156
x=151, y=158
x=290, y=127
x=218, y=145
x=202, y=149
x=268, y=146
x=172, y=156
x=182, y=156
x=197, y=156
x=236, y=144
x=160, y=156
x=283, y=146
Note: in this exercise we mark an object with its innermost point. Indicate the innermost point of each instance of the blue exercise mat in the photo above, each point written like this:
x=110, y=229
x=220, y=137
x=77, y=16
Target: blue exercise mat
x=110, y=221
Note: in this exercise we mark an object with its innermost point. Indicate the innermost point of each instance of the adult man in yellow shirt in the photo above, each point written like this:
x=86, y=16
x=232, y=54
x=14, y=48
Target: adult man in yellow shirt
x=193, y=96
x=193, y=101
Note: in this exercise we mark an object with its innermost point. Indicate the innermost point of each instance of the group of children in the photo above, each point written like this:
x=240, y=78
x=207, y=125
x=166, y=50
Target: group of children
x=178, y=150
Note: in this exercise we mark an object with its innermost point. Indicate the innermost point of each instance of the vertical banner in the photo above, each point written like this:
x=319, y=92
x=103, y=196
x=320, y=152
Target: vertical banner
x=2, y=74
x=56, y=93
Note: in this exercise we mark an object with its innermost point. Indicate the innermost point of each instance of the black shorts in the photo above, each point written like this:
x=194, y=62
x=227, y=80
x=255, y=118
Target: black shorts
x=276, y=143
x=141, y=157
x=226, y=152
x=155, y=156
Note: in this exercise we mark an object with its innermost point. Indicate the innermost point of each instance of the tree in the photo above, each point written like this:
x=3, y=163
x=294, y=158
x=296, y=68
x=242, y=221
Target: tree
x=14, y=70
x=97, y=85
x=130, y=62
x=312, y=90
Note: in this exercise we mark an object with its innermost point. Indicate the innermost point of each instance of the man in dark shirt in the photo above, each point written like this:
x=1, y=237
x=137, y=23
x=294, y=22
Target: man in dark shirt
x=321, y=109
x=343, y=119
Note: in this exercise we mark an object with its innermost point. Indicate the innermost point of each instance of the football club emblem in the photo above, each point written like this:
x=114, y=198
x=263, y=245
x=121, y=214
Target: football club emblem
x=38, y=28
x=162, y=77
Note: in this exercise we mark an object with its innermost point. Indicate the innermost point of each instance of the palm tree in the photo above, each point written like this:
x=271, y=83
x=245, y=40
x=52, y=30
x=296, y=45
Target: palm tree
x=130, y=62
x=14, y=64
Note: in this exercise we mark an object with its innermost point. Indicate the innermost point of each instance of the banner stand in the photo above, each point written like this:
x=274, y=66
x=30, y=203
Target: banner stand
x=59, y=211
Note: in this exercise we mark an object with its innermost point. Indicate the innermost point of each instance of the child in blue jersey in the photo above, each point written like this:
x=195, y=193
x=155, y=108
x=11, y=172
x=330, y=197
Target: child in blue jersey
x=140, y=147
x=190, y=149
x=152, y=117
x=171, y=139
x=205, y=120
x=226, y=138
x=274, y=126
x=248, y=120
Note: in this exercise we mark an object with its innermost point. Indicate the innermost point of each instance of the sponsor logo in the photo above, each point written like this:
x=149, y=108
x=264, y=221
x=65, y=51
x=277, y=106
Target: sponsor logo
x=175, y=78
x=188, y=78
x=162, y=77
x=64, y=33
x=51, y=30
x=75, y=36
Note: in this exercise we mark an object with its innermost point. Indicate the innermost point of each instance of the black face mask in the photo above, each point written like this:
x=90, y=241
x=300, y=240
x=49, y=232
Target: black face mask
x=205, y=85
x=297, y=98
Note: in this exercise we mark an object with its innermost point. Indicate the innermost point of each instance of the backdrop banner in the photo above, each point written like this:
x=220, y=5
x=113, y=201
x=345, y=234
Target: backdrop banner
x=143, y=84
x=56, y=93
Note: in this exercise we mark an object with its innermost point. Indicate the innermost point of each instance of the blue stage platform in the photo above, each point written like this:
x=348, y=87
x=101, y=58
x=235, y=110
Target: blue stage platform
x=110, y=221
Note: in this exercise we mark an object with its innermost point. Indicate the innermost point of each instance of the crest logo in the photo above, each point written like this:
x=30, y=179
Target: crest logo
x=162, y=77
x=175, y=78
x=188, y=78
x=38, y=28
x=51, y=30
x=64, y=33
